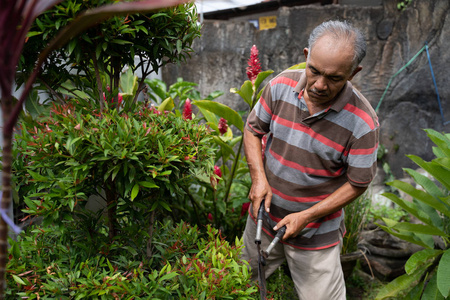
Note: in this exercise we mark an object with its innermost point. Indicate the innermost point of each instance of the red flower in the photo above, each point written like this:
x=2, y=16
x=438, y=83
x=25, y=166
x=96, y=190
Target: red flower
x=244, y=209
x=210, y=217
x=215, y=180
x=218, y=171
x=187, y=111
x=254, y=66
x=223, y=126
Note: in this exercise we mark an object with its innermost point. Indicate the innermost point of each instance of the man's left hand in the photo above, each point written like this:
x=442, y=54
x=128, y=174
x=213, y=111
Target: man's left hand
x=294, y=223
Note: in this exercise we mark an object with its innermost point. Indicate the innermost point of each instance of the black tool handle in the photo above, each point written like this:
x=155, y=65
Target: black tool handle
x=278, y=237
x=259, y=223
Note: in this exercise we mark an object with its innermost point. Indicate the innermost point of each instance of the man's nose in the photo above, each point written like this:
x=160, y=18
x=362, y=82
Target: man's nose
x=321, y=84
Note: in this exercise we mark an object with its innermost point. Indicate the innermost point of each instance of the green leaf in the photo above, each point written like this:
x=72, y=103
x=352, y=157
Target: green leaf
x=134, y=191
x=168, y=276
x=15, y=250
x=431, y=291
x=419, y=228
x=443, y=274
x=398, y=285
x=246, y=92
x=297, y=66
x=222, y=111
x=441, y=174
x=408, y=236
x=421, y=196
x=225, y=147
x=421, y=259
x=166, y=105
x=18, y=279
x=410, y=207
x=440, y=140
x=260, y=78
x=179, y=46
x=36, y=176
x=425, y=182
x=148, y=184
x=120, y=42
x=164, y=205
x=128, y=82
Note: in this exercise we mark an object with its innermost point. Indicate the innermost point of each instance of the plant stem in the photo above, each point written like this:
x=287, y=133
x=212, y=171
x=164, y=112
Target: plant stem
x=150, y=233
x=233, y=171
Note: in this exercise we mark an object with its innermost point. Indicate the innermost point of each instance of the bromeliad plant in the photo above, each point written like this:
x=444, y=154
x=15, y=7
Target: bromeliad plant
x=427, y=271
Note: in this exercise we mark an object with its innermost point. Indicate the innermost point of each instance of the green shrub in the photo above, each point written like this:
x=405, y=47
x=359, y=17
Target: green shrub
x=45, y=263
x=137, y=162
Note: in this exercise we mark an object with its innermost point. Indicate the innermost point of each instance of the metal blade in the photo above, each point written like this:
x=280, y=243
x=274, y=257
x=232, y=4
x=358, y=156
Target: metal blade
x=261, y=275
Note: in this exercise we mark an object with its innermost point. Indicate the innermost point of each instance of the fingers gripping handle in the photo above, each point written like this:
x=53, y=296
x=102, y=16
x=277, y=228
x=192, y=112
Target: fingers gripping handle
x=259, y=223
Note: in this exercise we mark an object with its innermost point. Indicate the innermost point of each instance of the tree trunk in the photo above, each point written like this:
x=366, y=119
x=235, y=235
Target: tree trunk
x=6, y=189
x=111, y=205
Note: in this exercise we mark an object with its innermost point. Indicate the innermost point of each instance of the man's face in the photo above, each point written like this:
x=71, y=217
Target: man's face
x=328, y=67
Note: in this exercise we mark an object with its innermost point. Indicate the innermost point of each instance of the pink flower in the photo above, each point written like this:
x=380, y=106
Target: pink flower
x=223, y=126
x=214, y=180
x=254, y=66
x=210, y=217
x=187, y=112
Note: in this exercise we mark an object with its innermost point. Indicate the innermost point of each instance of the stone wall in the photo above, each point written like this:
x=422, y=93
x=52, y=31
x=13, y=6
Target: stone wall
x=393, y=38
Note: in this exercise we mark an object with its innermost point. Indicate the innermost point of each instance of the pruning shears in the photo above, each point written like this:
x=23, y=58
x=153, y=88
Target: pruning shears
x=264, y=254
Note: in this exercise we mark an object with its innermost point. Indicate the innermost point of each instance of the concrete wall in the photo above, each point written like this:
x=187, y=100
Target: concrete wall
x=393, y=38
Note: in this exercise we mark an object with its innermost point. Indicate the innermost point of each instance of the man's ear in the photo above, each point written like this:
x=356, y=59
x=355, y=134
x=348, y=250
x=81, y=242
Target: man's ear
x=306, y=52
x=359, y=68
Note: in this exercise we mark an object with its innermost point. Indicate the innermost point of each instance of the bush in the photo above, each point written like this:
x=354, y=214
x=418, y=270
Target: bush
x=46, y=263
x=137, y=162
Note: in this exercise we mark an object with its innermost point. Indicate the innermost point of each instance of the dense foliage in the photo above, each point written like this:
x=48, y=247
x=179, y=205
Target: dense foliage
x=427, y=271
x=47, y=263
x=94, y=60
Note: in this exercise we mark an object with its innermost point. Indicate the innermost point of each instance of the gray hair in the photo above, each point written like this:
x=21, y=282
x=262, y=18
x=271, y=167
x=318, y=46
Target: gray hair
x=341, y=30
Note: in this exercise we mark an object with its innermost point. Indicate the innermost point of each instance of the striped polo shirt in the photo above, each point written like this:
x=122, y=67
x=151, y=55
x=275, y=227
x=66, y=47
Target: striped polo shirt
x=309, y=157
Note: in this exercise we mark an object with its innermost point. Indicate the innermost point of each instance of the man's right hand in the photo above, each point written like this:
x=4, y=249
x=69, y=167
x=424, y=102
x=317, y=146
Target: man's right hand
x=260, y=191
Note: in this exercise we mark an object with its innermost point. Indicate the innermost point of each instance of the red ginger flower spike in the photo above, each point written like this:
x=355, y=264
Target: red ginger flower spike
x=254, y=65
x=187, y=111
x=223, y=126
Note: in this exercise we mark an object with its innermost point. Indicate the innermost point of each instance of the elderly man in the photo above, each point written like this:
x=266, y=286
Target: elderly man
x=320, y=155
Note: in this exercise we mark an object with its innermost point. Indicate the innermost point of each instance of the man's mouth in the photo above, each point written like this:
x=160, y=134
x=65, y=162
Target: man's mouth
x=318, y=95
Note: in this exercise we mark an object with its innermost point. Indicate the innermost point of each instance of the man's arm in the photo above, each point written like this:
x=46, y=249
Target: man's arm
x=260, y=189
x=343, y=196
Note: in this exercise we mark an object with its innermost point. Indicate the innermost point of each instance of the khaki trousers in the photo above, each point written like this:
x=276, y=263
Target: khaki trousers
x=317, y=274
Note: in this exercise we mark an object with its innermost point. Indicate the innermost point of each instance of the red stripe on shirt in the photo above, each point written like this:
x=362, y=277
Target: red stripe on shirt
x=299, y=199
x=303, y=169
x=283, y=80
x=363, y=151
x=360, y=113
x=265, y=106
x=258, y=132
x=324, y=140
